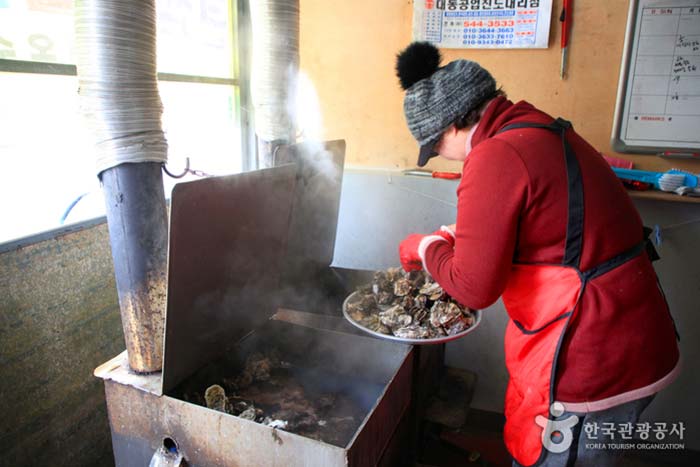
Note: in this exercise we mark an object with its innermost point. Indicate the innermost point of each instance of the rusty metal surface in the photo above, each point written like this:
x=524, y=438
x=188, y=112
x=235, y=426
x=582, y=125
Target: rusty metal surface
x=227, y=243
x=321, y=354
x=140, y=420
x=117, y=369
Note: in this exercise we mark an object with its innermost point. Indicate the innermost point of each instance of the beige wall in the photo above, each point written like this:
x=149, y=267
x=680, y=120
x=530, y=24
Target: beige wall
x=348, y=49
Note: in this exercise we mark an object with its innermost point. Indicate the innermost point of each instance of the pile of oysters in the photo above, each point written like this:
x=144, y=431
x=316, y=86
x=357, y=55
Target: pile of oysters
x=407, y=305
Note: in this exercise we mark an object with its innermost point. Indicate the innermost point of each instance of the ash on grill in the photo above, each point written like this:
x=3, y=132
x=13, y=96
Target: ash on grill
x=408, y=305
x=266, y=391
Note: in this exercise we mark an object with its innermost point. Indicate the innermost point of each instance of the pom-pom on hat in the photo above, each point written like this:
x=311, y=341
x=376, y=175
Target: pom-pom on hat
x=437, y=96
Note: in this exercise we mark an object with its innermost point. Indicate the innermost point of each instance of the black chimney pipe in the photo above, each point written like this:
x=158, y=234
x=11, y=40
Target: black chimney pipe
x=138, y=233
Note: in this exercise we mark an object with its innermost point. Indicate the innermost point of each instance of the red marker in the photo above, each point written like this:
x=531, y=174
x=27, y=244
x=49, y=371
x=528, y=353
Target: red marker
x=447, y=175
x=567, y=14
x=434, y=174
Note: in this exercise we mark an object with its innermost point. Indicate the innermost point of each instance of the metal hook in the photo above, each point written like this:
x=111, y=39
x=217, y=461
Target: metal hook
x=184, y=172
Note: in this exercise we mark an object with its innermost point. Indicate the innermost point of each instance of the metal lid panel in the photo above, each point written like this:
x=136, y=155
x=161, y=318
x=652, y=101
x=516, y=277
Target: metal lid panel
x=228, y=238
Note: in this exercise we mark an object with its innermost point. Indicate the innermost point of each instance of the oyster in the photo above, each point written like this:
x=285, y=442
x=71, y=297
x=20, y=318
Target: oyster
x=458, y=325
x=436, y=313
x=248, y=414
x=402, y=287
x=385, y=297
x=215, y=398
x=450, y=314
x=407, y=302
x=420, y=301
x=407, y=305
x=413, y=331
x=417, y=278
x=363, y=305
x=373, y=323
x=432, y=290
x=396, y=316
x=356, y=315
x=394, y=274
x=419, y=314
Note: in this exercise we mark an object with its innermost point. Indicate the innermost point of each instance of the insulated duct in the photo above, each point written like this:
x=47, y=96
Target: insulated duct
x=275, y=26
x=119, y=100
x=116, y=59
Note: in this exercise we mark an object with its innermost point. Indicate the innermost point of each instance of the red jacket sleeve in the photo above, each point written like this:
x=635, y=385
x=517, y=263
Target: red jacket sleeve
x=490, y=197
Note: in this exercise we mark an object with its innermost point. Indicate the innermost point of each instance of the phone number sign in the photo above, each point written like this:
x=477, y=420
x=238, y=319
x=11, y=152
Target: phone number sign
x=484, y=24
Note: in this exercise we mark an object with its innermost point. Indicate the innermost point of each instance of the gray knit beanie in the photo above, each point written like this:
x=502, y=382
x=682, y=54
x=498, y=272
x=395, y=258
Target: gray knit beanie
x=437, y=96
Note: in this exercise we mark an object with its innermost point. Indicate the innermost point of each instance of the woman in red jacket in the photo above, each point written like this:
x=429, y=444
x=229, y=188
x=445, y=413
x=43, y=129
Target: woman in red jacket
x=544, y=223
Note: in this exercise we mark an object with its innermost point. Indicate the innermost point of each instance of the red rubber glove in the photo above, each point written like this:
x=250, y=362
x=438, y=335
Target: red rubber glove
x=446, y=233
x=408, y=253
x=412, y=248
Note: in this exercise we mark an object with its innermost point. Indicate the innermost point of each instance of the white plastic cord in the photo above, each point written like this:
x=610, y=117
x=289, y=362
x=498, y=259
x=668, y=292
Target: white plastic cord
x=275, y=26
x=116, y=62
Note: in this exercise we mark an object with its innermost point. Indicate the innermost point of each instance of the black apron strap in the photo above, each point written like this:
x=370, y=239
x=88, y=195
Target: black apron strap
x=615, y=261
x=574, y=226
x=644, y=246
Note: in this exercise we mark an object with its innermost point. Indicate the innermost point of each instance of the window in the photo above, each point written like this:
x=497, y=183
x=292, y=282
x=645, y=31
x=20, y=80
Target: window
x=47, y=157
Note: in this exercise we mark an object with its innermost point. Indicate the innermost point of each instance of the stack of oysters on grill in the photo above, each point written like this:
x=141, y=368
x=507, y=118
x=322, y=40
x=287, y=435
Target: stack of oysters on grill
x=268, y=391
x=407, y=305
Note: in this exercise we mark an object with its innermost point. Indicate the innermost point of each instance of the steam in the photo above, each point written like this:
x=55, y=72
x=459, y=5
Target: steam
x=304, y=108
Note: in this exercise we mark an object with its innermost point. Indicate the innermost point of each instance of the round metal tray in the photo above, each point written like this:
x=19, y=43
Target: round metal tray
x=433, y=340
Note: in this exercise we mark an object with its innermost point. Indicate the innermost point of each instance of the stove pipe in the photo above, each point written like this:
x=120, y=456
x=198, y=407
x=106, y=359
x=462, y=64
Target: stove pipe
x=119, y=100
x=275, y=26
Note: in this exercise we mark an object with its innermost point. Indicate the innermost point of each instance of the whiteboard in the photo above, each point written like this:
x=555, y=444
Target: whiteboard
x=658, y=97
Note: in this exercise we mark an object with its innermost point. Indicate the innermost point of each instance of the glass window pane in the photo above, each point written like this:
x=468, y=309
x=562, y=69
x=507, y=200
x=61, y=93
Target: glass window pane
x=200, y=122
x=48, y=158
x=194, y=37
x=47, y=153
x=37, y=30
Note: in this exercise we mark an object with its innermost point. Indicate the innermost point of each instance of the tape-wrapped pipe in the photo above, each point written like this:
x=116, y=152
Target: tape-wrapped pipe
x=116, y=60
x=275, y=26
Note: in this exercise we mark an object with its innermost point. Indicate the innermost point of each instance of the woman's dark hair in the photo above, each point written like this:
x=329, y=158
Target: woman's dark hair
x=473, y=115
